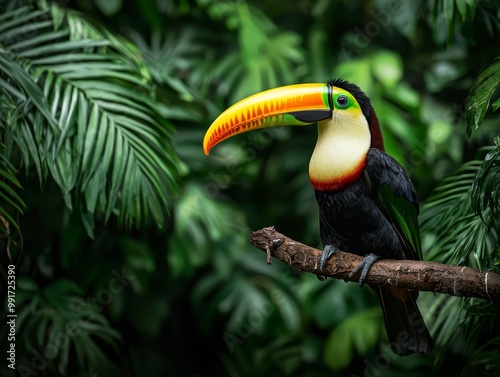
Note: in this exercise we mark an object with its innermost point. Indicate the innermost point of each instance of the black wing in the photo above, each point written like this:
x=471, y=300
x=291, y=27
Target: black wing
x=395, y=195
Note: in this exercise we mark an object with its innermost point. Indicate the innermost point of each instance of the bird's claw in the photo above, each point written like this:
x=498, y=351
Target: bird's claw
x=328, y=251
x=364, y=266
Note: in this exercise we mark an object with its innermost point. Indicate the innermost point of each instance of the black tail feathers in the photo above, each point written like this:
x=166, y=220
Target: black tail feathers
x=404, y=324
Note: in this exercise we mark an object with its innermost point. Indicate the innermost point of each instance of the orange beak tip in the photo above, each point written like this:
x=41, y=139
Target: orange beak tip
x=206, y=148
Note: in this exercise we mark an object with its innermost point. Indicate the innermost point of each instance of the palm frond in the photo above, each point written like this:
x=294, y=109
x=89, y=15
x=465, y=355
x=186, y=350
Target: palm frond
x=451, y=227
x=10, y=200
x=59, y=319
x=267, y=57
x=480, y=95
x=456, y=232
x=482, y=317
x=88, y=121
x=485, y=192
x=170, y=57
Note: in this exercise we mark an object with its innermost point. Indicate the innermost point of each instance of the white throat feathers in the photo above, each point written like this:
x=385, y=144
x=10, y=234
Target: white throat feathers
x=340, y=153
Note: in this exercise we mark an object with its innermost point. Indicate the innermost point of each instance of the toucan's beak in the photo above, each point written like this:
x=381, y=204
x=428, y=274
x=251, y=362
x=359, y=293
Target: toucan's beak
x=293, y=105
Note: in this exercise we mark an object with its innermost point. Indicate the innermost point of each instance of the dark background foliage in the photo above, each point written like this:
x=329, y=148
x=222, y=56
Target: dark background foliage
x=131, y=247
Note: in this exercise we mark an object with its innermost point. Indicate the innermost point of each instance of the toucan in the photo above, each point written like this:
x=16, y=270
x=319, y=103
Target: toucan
x=367, y=203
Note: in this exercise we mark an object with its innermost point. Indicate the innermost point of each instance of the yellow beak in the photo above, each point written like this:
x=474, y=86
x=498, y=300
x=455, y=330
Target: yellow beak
x=293, y=105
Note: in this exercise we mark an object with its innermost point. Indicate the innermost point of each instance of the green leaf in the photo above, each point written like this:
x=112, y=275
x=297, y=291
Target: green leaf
x=459, y=235
x=485, y=196
x=58, y=313
x=496, y=105
x=485, y=360
x=358, y=71
x=355, y=335
x=480, y=95
x=109, y=7
x=462, y=9
x=8, y=196
x=11, y=69
x=448, y=9
x=266, y=57
x=388, y=68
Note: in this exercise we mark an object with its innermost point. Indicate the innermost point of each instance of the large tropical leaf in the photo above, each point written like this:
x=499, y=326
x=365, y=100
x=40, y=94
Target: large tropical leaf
x=87, y=120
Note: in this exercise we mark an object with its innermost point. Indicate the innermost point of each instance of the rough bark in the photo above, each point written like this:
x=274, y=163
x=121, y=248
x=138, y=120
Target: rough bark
x=410, y=274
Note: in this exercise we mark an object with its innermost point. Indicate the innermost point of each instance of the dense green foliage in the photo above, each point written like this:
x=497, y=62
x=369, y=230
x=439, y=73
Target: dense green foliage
x=131, y=247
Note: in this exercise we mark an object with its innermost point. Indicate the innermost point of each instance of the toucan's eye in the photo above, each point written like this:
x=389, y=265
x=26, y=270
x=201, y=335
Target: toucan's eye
x=342, y=101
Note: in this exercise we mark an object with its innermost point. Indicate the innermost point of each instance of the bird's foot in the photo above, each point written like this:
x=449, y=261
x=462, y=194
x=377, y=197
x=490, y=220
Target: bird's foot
x=364, y=266
x=328, y=251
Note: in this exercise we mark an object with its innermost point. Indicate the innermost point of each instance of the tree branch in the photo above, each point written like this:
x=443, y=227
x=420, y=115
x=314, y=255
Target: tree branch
x=409, y=274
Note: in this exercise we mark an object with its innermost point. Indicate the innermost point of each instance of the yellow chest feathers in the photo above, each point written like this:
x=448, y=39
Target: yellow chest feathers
x=340, y=153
